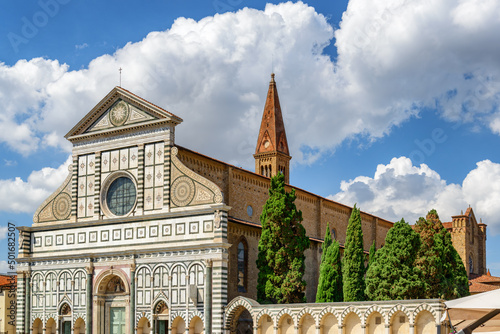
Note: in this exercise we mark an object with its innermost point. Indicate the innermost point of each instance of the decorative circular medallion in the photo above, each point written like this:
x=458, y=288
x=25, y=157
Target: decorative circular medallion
x=266, y=144
x=62, y=206
x=119, y=113
x=183, y=191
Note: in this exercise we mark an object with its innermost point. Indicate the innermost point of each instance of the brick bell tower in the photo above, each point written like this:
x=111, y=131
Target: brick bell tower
x=271, y=154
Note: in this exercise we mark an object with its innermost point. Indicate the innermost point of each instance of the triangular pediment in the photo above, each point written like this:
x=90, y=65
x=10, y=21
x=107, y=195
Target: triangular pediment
x=121, y=111
x=120, y=114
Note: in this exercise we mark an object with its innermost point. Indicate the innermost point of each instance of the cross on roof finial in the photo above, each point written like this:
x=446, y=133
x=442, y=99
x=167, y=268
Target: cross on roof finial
x=120, y=70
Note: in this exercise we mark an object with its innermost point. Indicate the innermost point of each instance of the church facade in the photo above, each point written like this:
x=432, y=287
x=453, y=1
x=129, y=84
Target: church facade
x=145, y=236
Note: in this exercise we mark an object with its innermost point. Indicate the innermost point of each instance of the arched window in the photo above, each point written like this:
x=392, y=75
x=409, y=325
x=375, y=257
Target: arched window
x=143, y=286
x=471, y=264
x=51, y=290
x=79, y=288
x=242, y=266
x=37, y=290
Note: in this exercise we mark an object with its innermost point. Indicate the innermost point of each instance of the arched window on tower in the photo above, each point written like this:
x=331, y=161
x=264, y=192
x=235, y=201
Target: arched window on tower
x=261, y=170
x=242, y=265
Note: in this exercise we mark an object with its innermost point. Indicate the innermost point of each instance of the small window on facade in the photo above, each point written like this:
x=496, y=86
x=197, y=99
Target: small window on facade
x=249, y=211
x=471, y=264
x=333, y=234
x=402, y=320
x=242, y=267
x=378, y=320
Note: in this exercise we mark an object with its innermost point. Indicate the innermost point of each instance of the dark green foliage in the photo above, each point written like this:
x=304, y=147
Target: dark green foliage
x=371, y=255
x=429, y=258
x=327, y=242
x=443, y=272
x=330, y=272
x=392, y=274
x=281, y=259
x=353, y=262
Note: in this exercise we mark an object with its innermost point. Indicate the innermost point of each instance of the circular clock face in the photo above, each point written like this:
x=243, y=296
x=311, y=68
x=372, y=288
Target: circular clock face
x=121, y=196
x=267, y=143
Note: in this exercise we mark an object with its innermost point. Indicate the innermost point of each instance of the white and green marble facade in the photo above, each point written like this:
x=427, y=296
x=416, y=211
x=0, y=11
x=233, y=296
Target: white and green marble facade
x=164, y=260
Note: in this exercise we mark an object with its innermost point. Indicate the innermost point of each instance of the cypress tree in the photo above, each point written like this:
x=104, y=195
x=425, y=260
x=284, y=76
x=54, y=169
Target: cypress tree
x=392, y=274
x=443, y=272
x=429, y=257
x=330, y=272
x=281, y=259
x=353, y=262
x=327, y=242
x=371, y=255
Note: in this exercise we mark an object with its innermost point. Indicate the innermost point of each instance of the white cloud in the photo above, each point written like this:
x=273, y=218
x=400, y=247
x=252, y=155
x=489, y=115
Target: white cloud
x=5, y=268
x=17, y=195
x=399, y=55
x=394, y=57
x=3, y=232
x=400, y=190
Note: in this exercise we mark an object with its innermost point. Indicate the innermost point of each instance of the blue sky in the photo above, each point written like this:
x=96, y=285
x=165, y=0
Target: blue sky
x=388, y=104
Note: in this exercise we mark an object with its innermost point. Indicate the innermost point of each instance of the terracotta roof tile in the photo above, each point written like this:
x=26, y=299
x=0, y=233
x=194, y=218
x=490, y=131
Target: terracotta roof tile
x=480, y=287
x=6, y=280
x=483, y=283
x=486, y=278
x=447, y=225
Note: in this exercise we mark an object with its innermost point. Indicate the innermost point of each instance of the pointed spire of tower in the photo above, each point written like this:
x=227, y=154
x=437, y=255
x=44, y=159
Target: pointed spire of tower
x=272, y=154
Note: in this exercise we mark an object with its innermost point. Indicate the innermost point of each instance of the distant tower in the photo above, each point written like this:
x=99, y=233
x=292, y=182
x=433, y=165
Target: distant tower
x=271, y=154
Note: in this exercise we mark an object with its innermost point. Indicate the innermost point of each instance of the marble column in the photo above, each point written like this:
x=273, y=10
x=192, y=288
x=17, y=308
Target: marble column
x=88, y=323
x=27, y=320
x=208, y=297
x=132, y=298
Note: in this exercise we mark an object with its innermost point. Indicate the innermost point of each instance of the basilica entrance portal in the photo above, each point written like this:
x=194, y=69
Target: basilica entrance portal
x=111, y=303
